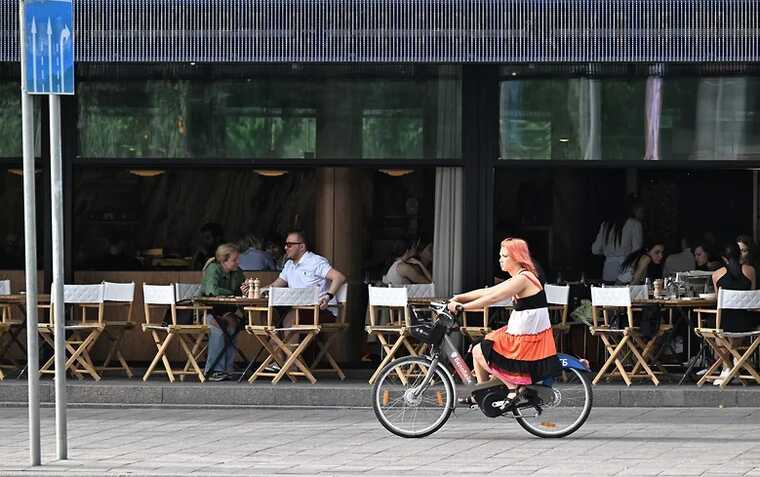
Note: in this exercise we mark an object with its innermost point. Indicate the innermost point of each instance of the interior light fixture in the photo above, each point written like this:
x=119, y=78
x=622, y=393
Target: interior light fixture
x=270, y=172
x=396, y=172
x=564, y=139
x=146, y=172
x=20, y=172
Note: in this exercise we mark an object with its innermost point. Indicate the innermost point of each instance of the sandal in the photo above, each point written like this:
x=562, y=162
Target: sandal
x=513, y=398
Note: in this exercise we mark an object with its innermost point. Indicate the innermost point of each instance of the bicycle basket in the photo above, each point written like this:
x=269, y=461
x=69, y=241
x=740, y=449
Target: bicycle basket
x=424, y=328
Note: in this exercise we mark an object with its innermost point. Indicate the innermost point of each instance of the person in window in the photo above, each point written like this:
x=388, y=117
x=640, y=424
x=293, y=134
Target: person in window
x=643, y=263
x=407, y=268
x=703, y=259
x=222, y=277
x=211, y=235
x=116, y=256
x=617, y=238
x=748, y=249
x=252, y=255
x=681, y=261
x=307, y=269
x=735, y=275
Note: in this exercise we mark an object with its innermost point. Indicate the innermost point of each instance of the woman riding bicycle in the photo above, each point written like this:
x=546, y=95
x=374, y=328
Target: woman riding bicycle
x=523, y=351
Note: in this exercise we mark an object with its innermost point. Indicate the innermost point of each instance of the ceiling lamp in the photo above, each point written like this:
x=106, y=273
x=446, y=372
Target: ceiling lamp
x=146, y=172
x=270, y=172
x=20, y=172
x=396, y=172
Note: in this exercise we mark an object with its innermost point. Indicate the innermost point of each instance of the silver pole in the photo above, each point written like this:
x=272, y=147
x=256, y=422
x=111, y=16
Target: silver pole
x=56, y=196
x=30, y=250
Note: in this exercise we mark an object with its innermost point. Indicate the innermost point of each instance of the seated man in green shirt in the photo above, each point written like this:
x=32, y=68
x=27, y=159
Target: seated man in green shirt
x=222, y=277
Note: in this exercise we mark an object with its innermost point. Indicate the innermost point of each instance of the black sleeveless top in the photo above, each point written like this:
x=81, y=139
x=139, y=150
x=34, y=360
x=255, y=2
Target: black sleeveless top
x=531, y=302
x=737, y=321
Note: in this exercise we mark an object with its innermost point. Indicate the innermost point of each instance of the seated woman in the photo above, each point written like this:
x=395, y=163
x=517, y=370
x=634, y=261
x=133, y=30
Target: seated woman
x=408, y=268
x=734, y=275
x=222, y=277
x=703, y=259
x=523, y=351
x=642, y=264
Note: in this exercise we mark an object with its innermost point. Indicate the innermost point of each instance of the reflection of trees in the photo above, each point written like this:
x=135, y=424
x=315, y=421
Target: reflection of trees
x=269, y=136
x=392, y=134
x=133, y=119
x=10, y=119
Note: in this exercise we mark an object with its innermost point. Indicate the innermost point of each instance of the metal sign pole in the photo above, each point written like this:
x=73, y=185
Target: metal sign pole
x=30, y=249
x=56, y=189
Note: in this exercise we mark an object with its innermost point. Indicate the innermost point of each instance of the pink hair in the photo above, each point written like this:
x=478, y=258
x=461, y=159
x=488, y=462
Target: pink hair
x=518, y=250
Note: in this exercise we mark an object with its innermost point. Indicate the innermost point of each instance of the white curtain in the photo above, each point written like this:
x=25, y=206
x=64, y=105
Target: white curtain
x=652, y=119
x=447, y=244
x=722, y=121
x=449, y=187
x=586, y=113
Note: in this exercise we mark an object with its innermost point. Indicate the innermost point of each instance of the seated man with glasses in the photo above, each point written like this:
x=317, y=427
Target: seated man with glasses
x=307, y=269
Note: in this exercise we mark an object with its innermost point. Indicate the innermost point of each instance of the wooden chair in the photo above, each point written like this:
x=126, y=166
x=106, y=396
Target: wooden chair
x=475, y=323
x=277, y=341
x=332, y=332
x=618, y=340
x=640, y=293
x=184, y=293
x=81, y=333
x=10, y=330
x=162, y=297
x=558, y=299
x=730, y=355
x=117, y=296
x=392, y=335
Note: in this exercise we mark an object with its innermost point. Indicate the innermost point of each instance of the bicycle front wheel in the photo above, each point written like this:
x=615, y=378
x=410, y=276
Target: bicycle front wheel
x=562, y=409
x=403, y=406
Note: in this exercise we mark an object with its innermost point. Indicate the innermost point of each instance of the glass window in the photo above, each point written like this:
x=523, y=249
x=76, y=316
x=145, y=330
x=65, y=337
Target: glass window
x=316, y=115
x=572, y=119
x=10, y=120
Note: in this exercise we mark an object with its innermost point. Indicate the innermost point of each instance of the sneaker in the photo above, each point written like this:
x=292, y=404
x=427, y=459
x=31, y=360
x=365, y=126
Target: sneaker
x=273, y=368
x=701, y=372
x=217, y=376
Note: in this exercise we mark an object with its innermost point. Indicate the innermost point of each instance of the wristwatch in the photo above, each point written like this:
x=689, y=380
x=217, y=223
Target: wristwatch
x=330, y=295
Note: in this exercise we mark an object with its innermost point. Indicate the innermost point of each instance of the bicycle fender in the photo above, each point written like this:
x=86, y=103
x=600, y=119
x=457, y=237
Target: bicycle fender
x=568, y=361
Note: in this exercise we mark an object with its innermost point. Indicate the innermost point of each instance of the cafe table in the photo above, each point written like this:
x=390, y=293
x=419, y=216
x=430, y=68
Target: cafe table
x=240, y=301
x=18, y=301
x=688, y=304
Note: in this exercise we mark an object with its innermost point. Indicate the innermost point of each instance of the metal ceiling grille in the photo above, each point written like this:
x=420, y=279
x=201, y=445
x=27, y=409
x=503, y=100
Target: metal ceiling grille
x=399, y=31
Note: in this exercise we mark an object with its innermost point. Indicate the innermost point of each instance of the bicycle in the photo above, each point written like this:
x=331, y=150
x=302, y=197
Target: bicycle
x=414, y=387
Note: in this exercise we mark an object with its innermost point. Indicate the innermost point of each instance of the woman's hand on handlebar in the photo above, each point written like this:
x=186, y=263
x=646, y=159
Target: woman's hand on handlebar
x=454, y=307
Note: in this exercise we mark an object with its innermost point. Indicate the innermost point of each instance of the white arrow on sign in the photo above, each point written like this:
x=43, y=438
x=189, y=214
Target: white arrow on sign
x=65, y=36
x=50, y=55
x=34, y=52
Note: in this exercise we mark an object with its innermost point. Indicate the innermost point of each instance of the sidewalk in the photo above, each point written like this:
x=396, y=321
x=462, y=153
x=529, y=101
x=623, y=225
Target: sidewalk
x=350, y=394
x=340, y=442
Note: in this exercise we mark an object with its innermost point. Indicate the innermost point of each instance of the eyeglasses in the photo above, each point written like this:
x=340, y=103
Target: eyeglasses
x=290, y=244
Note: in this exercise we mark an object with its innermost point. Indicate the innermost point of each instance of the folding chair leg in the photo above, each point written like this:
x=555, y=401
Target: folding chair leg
x=741, y=362
x=643, y=362
x=190, y=358
x=612, y=359
x=160, y=355
x=389, y=355
x=294, y=357
x=709, y=372
x=324, y=353
x=196, y=355
x=115, y=350
x=78, y=352
x=264, y=340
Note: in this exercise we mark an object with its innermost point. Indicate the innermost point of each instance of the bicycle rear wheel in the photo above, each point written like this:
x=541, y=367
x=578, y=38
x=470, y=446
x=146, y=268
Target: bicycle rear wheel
x=563, y=408
x=403, y=407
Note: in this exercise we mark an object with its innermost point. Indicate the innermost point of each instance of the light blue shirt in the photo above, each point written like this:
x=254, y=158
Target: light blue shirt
x=310, y=271
x=255, y=260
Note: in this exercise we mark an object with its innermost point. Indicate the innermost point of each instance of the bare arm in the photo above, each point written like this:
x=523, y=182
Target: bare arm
x=412, y=274
x=641, y=270
x=337, y=280
x=749, y=272
x=471, y=295
x=279, y=283
x=512, y=287
x=418, y=268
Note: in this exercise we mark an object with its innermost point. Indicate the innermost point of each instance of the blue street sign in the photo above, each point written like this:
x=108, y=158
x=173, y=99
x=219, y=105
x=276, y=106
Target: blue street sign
x=49, y=29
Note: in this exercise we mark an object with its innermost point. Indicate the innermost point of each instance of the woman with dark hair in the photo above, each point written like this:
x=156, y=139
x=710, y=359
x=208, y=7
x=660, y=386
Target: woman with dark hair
x=522, y=352
x=704, y=258
x=408, y=267
x=643, y=263
x=735, y=275
x=747, y=249
x=617, y=238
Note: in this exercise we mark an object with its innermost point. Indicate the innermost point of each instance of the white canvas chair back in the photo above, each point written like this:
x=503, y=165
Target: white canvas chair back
x=611, y=296
x=119, y=292
x=5, y=287
x=82, y=294
x=280, y=296
x=186, y=291
x=381, y=296
x=639, y=292
x=557, y=295
x=424, y=290
x=342, y=294
x=158, y=294
x=738, y=299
